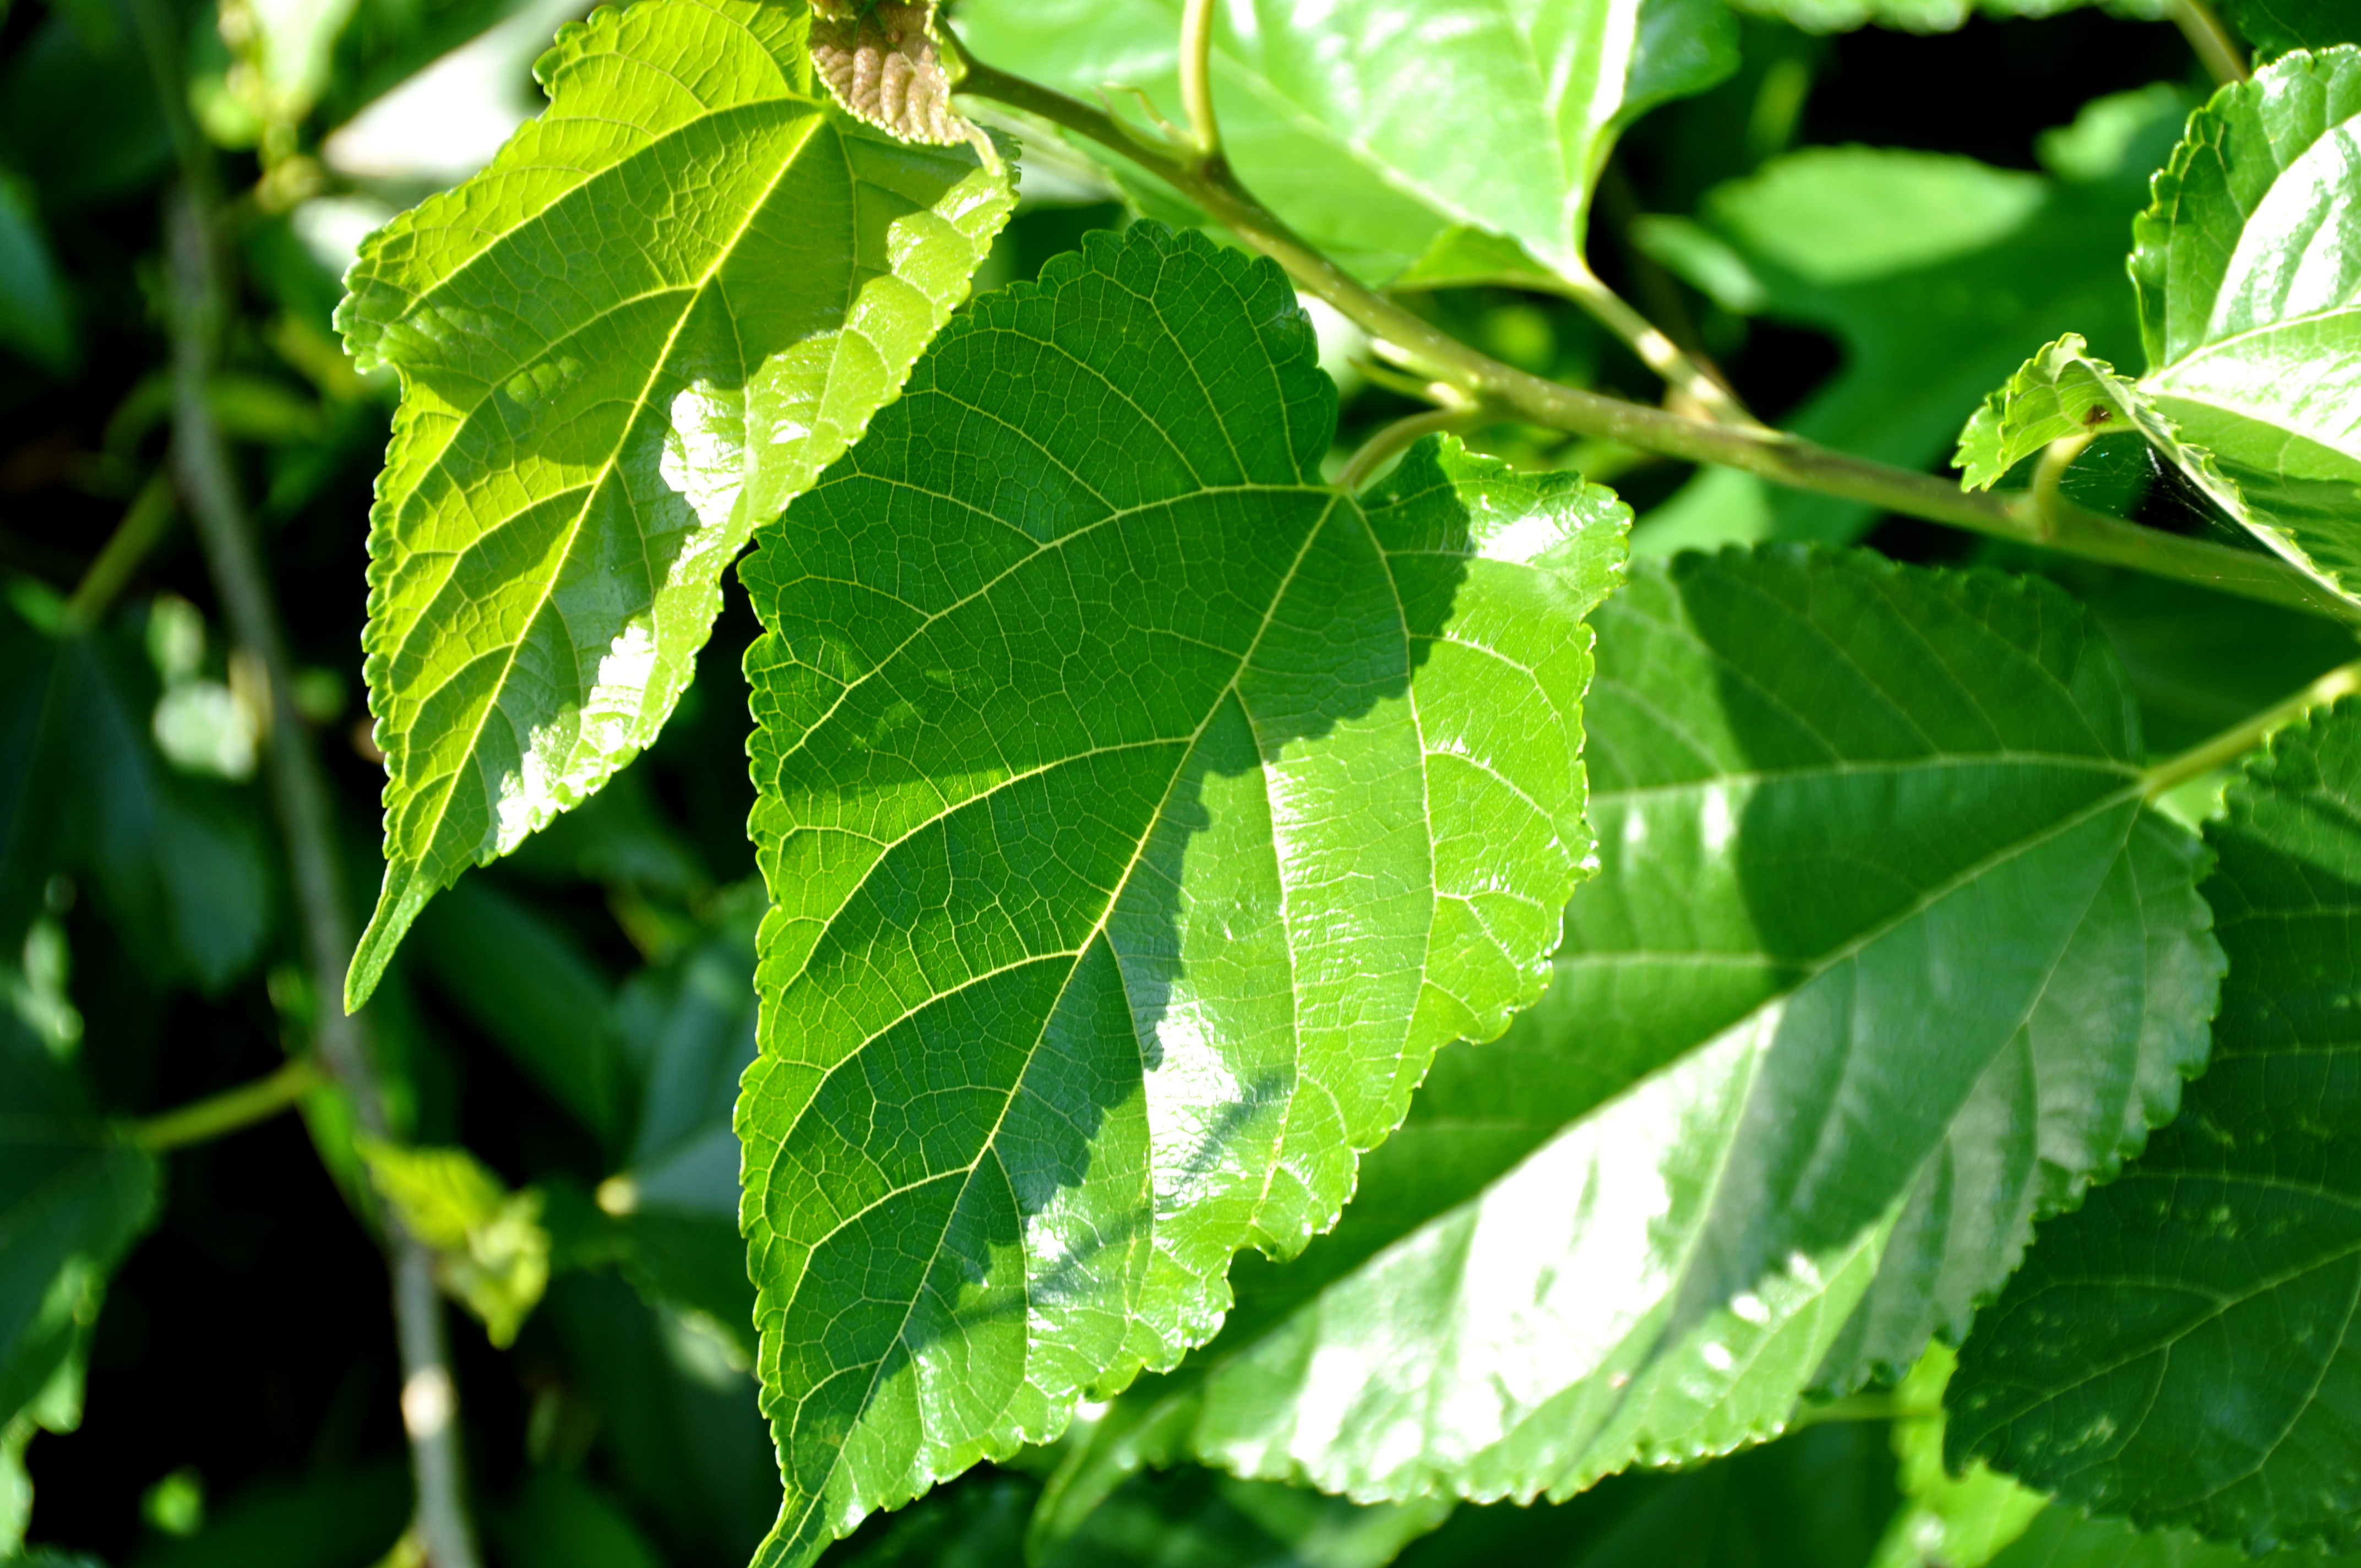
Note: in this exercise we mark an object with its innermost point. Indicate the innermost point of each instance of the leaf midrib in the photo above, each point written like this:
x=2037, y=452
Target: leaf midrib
x=989, y=1144
x=548, y=587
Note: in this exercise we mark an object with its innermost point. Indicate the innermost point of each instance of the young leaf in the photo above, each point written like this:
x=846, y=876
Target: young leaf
x=1139, y=814
x=663, y=308
x=1884, y=957
x=2179, y=1350
x=1375, y=126
x=491, y=1253
x=2247, y=266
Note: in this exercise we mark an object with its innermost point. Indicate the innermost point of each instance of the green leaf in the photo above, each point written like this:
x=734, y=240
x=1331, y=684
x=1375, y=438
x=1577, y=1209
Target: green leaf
x=541, y=1000
x=691, y=1024
x=35, y=319
x=2178, y=1351
x=491, y=1253
x=2201, y=661
x=1931, y=271
x=1959, y=1521
x=2062, y=392
x=2247, y=267
x=73, y=1197
x=1884, y=958
x=1375, y=126
x=1139, y=814
x=559, y=1521
x=1926, y=16
x=1980, y=1516
x=581, y=449
x=182, y=865
x=2275, y=26
x=675, y=1425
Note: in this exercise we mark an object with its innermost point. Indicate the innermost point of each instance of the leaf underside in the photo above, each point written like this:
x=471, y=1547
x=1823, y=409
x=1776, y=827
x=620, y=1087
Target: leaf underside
x=1378, y=126
x=1139, y=814
x=1884, y=957
x=2179, y=1350
x=666, y=306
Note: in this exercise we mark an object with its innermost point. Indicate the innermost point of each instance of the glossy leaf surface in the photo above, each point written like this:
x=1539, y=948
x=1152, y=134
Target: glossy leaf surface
x=1884, y=957
x=2249, y=292
x=2178, y=1351
x=1139, y=814
x=1375, y=126
x=663, y=308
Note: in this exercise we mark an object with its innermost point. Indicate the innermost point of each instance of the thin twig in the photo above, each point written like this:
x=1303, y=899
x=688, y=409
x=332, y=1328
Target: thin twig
x=300, y=793
x=144, y=522
x=2211, y=40
x=2221, y=750
x=231, y=1111
x=1774, y=454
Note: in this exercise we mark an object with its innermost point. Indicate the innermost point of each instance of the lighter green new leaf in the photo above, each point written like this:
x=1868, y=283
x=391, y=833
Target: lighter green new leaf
x=1139, y=814
x=1374, y=126
x=2247, y=264
x=1884, y=957
x=666, y=306
x=2063, y=392
x=2180, y=1350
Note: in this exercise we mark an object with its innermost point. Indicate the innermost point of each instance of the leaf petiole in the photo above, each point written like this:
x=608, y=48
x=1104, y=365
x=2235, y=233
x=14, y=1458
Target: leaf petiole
x=231, y=1111
x=1197, y=77
x=2222, y=750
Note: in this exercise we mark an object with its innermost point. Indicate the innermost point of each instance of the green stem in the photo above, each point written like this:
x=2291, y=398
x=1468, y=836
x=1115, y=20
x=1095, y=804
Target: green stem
x=1774, y=454
x=1197, y=76
x=1656, y=350
x=2221, y=750
x=144, y=522
x=1864, y=1407
x=1396, y=438
x=231, y=1111
x=2210, y=40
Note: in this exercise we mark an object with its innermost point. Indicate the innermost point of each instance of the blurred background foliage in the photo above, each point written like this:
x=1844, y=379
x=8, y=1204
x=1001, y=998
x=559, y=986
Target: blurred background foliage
x=1863, y=231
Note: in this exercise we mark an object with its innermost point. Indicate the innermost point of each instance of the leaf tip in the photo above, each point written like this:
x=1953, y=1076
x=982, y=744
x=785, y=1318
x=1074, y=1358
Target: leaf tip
x=404, y=895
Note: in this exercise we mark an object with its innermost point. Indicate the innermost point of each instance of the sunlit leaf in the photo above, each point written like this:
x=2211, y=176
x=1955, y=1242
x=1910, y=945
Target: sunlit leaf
x=1139, y=814
x=2250, y=309
x=661, y=310
x=1375, y=126
x=1884, y=958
